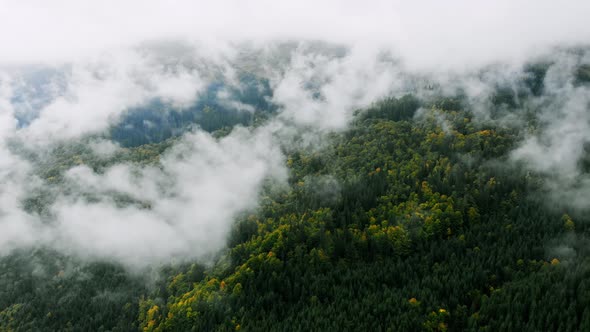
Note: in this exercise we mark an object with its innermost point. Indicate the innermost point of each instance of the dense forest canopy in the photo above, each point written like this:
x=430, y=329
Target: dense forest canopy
x=231, y=167
x=419, y=216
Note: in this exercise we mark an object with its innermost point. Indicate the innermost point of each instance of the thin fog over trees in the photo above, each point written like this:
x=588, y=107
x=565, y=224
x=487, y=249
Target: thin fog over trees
x=216, y=166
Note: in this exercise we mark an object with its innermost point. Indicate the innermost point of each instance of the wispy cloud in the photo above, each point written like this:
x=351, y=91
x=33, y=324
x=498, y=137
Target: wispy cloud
x=322, y=60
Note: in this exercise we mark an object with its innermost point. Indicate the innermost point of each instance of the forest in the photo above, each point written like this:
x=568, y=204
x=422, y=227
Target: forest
x=411, y=219
x=226, y=165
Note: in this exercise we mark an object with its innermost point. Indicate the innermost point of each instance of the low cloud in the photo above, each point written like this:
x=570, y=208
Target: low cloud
x=559, y=143
x=98, y=92
x=322, y=62
x=186, y=204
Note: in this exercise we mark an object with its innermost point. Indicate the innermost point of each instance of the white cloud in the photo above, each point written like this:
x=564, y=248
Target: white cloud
x=323, y=91
x=99, y=91
x=193, y=199
x=114, y=55
x=556, y=148
x=104, y=148
x=424, y=33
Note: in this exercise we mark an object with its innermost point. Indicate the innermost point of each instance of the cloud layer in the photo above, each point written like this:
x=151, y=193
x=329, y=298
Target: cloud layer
x=70, y=69
x=424, y=33
x=186, y=204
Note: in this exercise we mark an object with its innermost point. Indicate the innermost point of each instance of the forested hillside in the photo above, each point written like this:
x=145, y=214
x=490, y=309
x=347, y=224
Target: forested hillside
x=220, y=107
x=412, y=219
x=225, y=165
x=396, y=225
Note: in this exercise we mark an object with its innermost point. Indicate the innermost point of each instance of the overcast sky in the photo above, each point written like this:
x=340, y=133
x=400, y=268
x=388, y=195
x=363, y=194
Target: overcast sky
x=452, y=32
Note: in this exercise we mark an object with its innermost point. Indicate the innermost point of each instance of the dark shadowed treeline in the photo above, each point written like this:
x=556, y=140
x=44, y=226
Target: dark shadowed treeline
x=220, y=107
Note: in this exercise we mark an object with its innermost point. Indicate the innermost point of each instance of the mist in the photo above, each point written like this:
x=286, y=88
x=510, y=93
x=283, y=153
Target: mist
x=72, y=70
